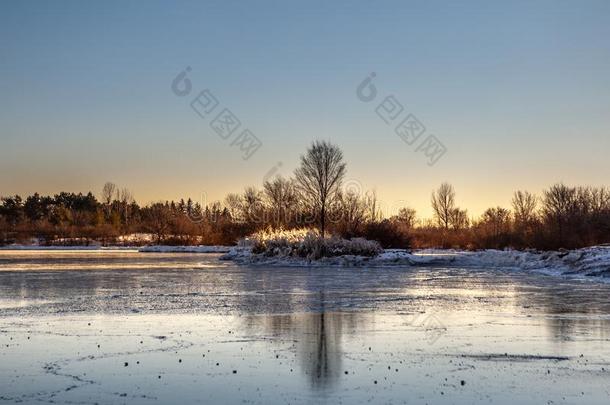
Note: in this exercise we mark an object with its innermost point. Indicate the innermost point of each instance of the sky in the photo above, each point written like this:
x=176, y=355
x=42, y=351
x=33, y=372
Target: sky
x=517, y=93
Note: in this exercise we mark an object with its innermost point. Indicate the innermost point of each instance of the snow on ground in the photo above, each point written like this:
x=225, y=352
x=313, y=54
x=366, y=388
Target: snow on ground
x=592, y=261
x=136, y=238
x=184, y=249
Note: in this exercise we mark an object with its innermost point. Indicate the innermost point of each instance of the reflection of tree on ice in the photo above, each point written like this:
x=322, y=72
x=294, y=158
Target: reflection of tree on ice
x=322, y=359
x=320, y=339
x=317, y=335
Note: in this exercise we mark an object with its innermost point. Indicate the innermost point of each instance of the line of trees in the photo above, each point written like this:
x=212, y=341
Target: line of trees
x=562, y=217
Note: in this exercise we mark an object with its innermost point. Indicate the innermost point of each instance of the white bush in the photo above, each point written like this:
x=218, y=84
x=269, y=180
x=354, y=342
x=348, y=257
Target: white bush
x=307, y=243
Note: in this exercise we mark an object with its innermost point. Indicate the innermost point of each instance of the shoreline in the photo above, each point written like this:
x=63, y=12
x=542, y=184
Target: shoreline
x=141, y=249
x=591, y=263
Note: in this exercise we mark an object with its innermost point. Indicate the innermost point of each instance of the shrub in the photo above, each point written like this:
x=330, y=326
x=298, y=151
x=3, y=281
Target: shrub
x=388, y=234
x=307, y=243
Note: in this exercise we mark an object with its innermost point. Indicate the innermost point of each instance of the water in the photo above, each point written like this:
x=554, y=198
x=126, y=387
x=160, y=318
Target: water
x=126, y=327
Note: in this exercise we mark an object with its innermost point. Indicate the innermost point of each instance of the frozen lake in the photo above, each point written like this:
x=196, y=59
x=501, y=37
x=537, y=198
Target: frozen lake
x=128, y=327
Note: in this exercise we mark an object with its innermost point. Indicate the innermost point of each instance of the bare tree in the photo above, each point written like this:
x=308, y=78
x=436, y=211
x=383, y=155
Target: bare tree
x=559, y=207
x=320, y=176
x=348, y=213
x=600, y=200
x=407, y=217
x=159, y=218
x=282, y=198
x=370, y=199
x=443, y=204
x=600, y=215
x=108, y=193
x=496, y=222
x=233, y=202
x=125, y=196
x=524, y=207
x=252, y=204
x=126, y=200
x=458, y=219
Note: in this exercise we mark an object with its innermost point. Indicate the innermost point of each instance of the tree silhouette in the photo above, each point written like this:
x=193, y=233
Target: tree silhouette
x=320, y=176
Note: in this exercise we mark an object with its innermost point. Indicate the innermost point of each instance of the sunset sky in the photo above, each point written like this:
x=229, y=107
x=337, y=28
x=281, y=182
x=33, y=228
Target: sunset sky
x=518, y=92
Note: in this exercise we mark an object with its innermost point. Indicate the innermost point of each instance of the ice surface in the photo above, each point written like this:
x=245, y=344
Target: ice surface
x=185, y=249
x=129, y=327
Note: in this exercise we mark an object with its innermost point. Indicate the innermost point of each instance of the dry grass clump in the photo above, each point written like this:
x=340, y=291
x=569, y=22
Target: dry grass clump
x=307, y=243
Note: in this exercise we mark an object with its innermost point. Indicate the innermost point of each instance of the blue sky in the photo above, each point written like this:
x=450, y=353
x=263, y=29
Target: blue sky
x=518, y=92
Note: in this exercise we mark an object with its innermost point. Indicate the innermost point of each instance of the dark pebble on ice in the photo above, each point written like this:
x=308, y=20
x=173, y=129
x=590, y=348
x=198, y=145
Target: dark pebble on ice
x=218, y=364
x=462, y=382
x=179, y=360
x=234, y=371
x=375, y=381
x=345, y=372
x=126, y=364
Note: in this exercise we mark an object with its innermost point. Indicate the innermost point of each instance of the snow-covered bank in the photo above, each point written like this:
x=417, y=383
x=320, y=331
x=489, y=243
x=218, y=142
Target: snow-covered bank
x=184, y=249
x=592, y=261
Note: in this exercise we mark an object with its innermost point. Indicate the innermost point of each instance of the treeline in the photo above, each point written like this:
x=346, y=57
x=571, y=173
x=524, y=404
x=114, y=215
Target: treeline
x=115, y=218
x=80, y=219
x=561, y=217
